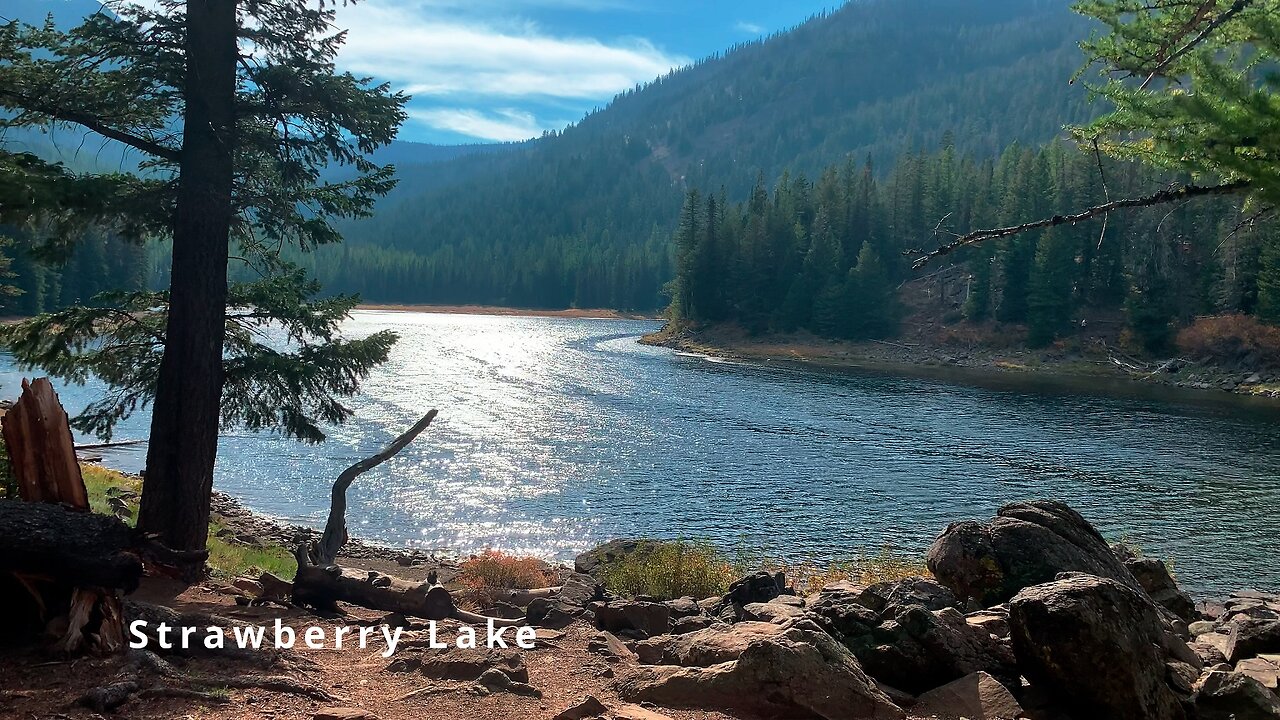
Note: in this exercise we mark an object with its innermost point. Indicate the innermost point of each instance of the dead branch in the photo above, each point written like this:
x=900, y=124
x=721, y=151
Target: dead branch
x=335, y=528
x=1164, y=196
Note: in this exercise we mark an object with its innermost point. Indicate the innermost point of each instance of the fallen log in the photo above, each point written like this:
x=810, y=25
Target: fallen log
x=321, y=583
x=76, y=548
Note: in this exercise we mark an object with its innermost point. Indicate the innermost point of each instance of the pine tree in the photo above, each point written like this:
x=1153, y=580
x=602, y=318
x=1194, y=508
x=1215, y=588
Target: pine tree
x=238, y=101
x=1269, y=279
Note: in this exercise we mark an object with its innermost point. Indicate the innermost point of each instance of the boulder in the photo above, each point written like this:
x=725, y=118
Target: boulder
x=994, y=620
x=759, y=587
x=1153, y=575
x=494, y=680
x=1262, y=670
x=1211, y=647
x=598, y=560
x=455, y=663
x=774, y=612
x=635, y=618
x=798, y=672
x=1250, y=637
x=560, y=610
x=705, y=647
x=1224, y=695
x=974, y=697
x=917, y=650
x=1025, y=544
x=1095, y=645
x=684, y=607
x=908, y=591
x=693, y=623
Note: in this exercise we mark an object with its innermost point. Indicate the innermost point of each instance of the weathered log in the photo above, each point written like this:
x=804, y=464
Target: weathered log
x=79, y=549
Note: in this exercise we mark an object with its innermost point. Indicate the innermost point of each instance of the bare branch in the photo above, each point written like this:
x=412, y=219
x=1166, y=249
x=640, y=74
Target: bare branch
x=335, y=528
x=91, y=122
x=1184, y=192
x=1236, y=8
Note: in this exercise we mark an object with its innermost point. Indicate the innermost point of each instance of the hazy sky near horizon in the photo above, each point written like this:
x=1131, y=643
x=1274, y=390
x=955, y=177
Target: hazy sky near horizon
x=501, y=70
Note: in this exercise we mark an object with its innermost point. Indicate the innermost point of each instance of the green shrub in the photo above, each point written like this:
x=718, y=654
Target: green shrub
x=671, y=570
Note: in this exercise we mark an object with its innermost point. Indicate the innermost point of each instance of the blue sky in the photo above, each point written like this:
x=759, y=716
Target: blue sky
x=510, y=69
x=497, y=70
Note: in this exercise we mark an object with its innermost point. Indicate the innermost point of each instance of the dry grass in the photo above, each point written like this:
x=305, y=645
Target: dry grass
x=672, y=570
x=1232, y=340
x=495, y=570
x=885, y=566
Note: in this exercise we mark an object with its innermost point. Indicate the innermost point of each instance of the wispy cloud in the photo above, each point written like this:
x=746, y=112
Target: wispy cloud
x=467, y=69
x=749, y=28
x=503, y=125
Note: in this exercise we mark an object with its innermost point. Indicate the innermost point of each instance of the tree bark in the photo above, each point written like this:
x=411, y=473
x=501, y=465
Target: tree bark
x=186, y=412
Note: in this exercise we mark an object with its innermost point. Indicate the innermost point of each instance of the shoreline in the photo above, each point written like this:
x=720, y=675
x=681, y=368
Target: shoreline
x=501, y=311
x=1100, y=368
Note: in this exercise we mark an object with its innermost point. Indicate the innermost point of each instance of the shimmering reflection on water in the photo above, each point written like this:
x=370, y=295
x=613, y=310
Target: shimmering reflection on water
x=555, y=433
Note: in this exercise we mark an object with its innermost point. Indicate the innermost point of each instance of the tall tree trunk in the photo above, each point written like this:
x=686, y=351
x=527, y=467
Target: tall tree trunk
x=185, y=417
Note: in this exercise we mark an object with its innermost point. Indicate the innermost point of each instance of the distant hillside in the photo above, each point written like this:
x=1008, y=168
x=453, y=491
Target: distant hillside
x=584, y=217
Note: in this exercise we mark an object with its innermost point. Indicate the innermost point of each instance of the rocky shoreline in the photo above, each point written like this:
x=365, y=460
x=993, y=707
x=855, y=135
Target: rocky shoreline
x=1031, y=614
x=1097, y=364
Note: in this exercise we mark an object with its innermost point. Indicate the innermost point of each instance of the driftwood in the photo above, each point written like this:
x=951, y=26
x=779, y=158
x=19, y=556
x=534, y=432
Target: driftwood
x=321, y=583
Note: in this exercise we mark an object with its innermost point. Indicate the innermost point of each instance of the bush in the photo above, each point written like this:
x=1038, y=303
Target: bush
x=495, y=570
x=671, y=570
x=1232, y=341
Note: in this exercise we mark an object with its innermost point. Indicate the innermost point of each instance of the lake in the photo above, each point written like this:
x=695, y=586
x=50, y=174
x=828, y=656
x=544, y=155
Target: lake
x=556, y=433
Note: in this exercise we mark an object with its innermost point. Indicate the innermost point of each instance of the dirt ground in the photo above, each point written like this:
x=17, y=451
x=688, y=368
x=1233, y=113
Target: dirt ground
x=36, y=686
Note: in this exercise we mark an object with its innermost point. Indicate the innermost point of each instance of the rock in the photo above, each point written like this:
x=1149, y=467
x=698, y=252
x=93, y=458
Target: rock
x=495, y=680
x=275, y=587
x=504, y=610
x=1262, y=670
x=773, y=612
x=799, y=672
x=632, y=616
x=1201, y=627
x=599, y=559
x=631, y=711
x=559, y=611
x=759, y=587
x=693, y=623
x=918, y=650
x=1026, y=544
x=1249, y=637
x=1095, y=645
x=249, y=587
x=978, y=696
x=342, y=713
x=1211, y=647
x=705, y=647
x=455, y=663
x=994, y=621
x=608, y=645
x=684, y=607
x=1224, y=695
x=908, y=591
x=1153, y=575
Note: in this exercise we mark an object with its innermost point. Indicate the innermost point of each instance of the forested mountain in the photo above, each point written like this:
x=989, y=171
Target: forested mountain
x=831, y=256
x=584, y=217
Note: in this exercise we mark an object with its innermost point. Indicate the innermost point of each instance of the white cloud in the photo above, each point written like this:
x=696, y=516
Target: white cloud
x=455, y=57
x=748, y=28
x=504, y=125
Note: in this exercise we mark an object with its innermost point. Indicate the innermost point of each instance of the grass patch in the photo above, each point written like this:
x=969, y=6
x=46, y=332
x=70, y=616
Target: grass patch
x=672, y=570
x=115, y=493
x=886, y=565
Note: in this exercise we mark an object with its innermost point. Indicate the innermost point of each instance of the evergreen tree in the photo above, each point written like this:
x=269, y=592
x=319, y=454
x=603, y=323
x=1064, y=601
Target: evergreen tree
x=238, y=102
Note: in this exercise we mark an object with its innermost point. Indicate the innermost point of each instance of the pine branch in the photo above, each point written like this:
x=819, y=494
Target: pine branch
x=1184, y=192
x=1236, y=8
x=90, y=122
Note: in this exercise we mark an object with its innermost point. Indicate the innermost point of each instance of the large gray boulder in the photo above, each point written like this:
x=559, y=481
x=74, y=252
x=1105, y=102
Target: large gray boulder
x=910, y=646
x=1154, y=577
x=798, y=671
x=1095, y=645
x=1025, y=544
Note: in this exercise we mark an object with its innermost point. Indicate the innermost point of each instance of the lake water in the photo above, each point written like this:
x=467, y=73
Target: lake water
x=557, y=433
